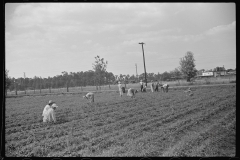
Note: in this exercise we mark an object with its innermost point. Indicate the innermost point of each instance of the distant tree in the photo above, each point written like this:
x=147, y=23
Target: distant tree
x=132, y=78
x=176, y=74
x=99, y=68
x=158, y=76
x=151, y=76
x=66, y=79
x=35, y=83
x=187, y=66
x=49, y=82
x=165, y=76
x=7, y=81
x=127, y=78
x=121, y=77
x=142, y=77
x=110, y=78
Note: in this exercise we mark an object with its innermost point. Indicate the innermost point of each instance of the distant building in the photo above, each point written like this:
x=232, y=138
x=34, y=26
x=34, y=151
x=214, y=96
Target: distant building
x=231, y=72
x=216, y=72
x=219, y=73
x=199, y=73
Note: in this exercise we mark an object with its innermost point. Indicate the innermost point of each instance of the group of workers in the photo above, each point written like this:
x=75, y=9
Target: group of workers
x=49, y=109
x=154, y=86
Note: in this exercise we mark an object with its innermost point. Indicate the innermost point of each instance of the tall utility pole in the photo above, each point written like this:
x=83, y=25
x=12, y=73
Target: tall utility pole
x=144, y=63
x=136, y=71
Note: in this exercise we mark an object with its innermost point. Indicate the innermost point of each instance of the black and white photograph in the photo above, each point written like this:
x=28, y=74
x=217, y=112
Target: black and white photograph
x=120, y=79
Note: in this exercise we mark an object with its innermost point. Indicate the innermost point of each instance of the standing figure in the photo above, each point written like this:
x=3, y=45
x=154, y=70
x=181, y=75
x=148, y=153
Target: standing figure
x=49, y=112
x=156, y=86
x=141, y=85
x=152, y=86
x=145, y=88
x=123, y=89
x=132, y=92
x=89, y=96
x=120, y=88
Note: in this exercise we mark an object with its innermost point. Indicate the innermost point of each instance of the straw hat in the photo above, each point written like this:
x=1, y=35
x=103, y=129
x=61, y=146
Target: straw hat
x=50, y=102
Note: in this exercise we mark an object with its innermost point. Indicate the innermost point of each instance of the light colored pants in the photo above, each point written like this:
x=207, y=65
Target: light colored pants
x=121, y=92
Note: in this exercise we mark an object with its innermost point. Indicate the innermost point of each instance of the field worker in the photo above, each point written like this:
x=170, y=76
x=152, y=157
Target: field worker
x=165, y=87
x=152, y=86
x=123, y=89
x=156, y=86
x=89, y=96
x=49, y=113
x=120, y=88
x=145, y=88
x=141, y=85
x=48, y=106
x=132, y=92
x=189, y=91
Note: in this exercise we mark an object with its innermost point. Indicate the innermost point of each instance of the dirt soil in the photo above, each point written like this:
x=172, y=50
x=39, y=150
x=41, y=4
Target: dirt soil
x=152, y=124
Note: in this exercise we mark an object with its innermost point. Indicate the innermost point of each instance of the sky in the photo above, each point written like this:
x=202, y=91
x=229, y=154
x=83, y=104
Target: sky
x=45, y=39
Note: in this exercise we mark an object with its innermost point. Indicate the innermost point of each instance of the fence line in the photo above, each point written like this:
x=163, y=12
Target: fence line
x=78, y=89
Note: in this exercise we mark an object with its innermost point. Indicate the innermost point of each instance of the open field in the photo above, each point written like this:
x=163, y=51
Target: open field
x=152, y=124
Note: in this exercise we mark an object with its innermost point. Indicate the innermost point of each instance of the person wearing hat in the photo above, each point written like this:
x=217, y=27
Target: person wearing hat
x=141, y=85
x=47, y=106
x=120, y=88
x=89, y=96
x=49, y=112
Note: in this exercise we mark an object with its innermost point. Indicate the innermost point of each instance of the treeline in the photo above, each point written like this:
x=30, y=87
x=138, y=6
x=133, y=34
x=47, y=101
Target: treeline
x=64, y=80
x=82, y=79
x=98, y=77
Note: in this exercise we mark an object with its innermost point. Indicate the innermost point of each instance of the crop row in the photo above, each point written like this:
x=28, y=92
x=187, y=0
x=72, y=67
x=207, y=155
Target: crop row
x=155, y=122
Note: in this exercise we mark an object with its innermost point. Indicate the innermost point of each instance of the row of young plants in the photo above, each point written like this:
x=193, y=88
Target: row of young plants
x=93, y=125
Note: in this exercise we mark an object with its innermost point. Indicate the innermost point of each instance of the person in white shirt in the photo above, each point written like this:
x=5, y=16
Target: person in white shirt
x=164, y=87
x=152, y=86
x=89, y=96
x=48, y=106
x=132, y=92
x=120, y=88
x=49, y=112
